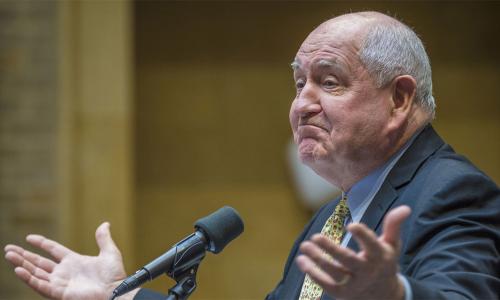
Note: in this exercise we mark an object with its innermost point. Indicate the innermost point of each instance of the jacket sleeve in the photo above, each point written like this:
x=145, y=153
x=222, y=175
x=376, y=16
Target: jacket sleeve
x=452, y=249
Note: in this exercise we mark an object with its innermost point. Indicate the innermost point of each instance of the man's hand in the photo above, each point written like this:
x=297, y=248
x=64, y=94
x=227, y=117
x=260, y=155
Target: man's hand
x=368, y=274
x=68, y=275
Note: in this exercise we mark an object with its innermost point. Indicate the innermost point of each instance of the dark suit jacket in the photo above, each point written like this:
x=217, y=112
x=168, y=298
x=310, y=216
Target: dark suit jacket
x=451, y=241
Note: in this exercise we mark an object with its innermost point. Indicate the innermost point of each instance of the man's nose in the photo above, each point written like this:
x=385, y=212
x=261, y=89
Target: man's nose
x=308, y=101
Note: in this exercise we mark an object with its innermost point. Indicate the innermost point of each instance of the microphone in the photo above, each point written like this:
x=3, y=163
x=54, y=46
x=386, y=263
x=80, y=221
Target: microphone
x=213, y=233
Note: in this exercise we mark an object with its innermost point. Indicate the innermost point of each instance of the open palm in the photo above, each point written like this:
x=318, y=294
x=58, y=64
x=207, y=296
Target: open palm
x=68, y=275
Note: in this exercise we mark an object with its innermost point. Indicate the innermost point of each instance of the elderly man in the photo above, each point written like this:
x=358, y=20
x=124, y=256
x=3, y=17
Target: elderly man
x=361, y=120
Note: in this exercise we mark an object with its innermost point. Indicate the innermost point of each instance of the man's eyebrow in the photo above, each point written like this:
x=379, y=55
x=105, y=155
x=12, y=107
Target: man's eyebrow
x=322, y=63
x=332, y=64
x=326, y=63
x=295, y=65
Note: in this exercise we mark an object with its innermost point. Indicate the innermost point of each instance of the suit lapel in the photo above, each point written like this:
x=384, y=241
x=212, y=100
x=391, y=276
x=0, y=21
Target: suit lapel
x=423, y=146
x=376, y=210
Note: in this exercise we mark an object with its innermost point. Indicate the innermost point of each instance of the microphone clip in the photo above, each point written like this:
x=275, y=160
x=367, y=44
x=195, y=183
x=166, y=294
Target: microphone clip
x=186, y=284
x=188, y=256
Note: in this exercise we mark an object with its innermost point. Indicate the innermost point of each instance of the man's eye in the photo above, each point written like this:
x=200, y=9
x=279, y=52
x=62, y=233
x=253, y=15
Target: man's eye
x=330, y=83
x=299, y=84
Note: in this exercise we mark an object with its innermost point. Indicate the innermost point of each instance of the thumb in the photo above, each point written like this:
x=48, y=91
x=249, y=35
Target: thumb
x=392, y=224
x=104, y=240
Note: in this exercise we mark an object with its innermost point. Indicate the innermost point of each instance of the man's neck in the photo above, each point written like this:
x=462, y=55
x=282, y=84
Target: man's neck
x=357, y=170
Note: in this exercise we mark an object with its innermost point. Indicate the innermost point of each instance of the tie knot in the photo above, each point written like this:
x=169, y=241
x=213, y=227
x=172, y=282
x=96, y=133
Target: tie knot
x=342, y=209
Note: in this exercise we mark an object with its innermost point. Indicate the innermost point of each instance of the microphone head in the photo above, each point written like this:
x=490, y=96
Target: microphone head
x=220, y=227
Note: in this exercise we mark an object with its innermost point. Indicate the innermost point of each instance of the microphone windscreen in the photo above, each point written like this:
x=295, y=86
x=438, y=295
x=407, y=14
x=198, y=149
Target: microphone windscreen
x=221, y=227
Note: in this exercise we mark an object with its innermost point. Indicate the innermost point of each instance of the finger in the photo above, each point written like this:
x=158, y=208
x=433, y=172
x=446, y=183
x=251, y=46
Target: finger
x=323, y=260
x=367, y=239
x=13, y=255
x=41, y=286
x=9, y=256
x=19, y=261
x=308, y=266
x=105, y=241
x=37, y=260
x=8, y=247
x=392, y=224
x=319, y=276
x=344, y=256
x=53, y=248
x=13, y=248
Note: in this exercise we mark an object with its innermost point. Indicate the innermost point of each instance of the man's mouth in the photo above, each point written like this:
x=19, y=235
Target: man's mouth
x=309, y=131
x=313, y=122
x=320, y=126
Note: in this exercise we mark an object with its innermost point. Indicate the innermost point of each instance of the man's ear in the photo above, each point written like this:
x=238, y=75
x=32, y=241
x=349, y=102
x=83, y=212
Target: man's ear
x=404, y=89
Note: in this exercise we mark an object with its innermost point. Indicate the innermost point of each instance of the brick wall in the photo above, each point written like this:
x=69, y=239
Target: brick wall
x=28, y=120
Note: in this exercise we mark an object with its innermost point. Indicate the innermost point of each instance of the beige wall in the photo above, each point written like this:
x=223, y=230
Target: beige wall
x=95, y=122
x=213, y=88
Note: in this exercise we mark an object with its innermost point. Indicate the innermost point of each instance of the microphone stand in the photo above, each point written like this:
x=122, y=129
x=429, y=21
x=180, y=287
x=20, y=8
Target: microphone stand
x=186, y=283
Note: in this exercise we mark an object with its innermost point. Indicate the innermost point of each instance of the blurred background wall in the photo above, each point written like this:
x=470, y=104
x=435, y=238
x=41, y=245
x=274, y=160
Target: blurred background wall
x=28, y=113
x=66, y=125
x=153, y=114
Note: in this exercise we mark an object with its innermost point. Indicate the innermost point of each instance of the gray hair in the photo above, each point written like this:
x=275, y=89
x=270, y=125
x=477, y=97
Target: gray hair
x=391, y=49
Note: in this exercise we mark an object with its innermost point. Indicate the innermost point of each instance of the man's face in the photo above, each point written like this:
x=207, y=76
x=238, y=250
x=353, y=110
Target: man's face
x=338, y=116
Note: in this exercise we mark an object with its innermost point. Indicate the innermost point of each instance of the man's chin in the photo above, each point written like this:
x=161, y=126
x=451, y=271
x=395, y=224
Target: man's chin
x=307, y=145
x=309, y=154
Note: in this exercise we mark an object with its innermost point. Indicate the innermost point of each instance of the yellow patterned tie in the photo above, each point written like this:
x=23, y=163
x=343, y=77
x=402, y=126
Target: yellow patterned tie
x=334, y=229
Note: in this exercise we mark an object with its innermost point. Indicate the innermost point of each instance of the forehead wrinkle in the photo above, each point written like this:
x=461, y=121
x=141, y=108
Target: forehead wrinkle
x=337, y=54
x=334, y=63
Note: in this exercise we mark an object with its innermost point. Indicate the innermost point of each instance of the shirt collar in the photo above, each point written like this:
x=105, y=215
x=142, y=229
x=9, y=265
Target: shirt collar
x=366, y=188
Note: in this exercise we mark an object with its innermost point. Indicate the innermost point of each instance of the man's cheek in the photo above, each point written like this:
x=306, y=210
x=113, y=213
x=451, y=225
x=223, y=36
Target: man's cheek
x=294, y=119
x=295, y=137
